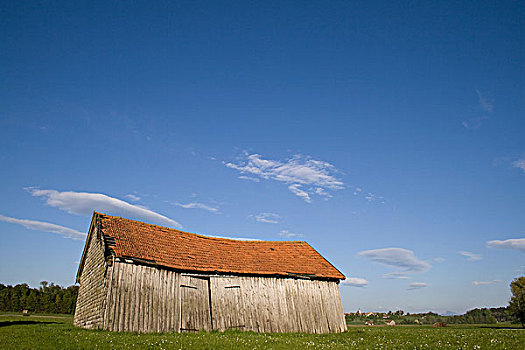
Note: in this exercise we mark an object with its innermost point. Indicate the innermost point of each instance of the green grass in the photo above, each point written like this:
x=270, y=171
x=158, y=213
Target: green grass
x=17, y=332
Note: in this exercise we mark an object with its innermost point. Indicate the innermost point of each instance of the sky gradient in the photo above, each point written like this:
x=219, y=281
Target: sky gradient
x=390, y=136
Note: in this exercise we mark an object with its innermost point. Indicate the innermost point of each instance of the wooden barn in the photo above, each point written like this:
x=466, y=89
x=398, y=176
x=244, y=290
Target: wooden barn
x=139, y=277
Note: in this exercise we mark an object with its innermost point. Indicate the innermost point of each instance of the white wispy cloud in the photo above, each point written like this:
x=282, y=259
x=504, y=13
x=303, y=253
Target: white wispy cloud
x=300, y=193
x=269, y=218
x=298, y=172
x=45, y=227
x=470, y=256
x=132, y=197
x=249, y=178
x=288, y=234
x=474, y=123
x=355, y=282
x=196, y=205
x=374, y=198
x=84, y=203
x=486, y=107
x=485, y=104
x=515, y=243
x=484, y=283
x=397, y=257
x=396, y=276
x=321, y=192
x=439, y=259
x=520, y=164
x=417, y=285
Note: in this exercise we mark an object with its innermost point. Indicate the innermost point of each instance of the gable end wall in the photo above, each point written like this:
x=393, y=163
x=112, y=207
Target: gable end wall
x=89, y=310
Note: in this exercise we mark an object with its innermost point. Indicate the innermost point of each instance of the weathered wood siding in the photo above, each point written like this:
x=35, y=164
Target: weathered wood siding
x=142, y=299
x=147, y=299
x=92, y=291
x=290, y=305
x=195, y=303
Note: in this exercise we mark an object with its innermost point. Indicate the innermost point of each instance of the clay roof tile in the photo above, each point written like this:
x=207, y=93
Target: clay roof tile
x=189, y=251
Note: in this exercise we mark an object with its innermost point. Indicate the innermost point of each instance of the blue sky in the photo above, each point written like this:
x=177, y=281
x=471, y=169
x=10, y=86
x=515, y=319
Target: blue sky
x=390, y=136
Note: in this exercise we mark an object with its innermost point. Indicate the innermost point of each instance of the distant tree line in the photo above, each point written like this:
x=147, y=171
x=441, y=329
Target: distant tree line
x=475, y=316
x=49, y=298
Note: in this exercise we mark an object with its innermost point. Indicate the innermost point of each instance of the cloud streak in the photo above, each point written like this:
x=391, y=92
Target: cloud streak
x=355, y=282
x=516, y=243
x=520, y=164
x=303, y=175
x=396, y=276
x=399, y=258
x=295, y=189
x=195, y=205
x=484, y=283
x=470, y=256
x=288, y=234
x=268, y=218
x=132, y=197
x=417, y=285
x=45, y=227
x=486, y=107
x=84, y=203
x=249, y=178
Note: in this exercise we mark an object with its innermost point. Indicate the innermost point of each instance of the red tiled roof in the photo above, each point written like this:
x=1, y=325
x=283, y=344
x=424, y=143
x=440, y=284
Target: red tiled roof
x=192, y=252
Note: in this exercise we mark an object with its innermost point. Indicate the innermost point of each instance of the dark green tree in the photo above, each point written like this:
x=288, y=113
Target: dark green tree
x=517, y=301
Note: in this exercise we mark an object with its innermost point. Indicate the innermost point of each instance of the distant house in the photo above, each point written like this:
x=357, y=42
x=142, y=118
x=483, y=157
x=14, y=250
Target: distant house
x=139, y=277
x=391, y=323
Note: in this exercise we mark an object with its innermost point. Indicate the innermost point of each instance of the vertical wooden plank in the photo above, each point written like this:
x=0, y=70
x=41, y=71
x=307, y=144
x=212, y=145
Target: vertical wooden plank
x=254, y=305
x=176, y=297
x=171, y=302
x=248, y=303
x=129, y=298
x=167, y=301
x=151, y=291
x=116, y=298
x=145, y=299
x=290, y=305
x=140, y=301
x=109, y=299
x=153, y=308
x=125, y=314
x=136, y=301
x=163, y=319
x=122, y=296
x=339, y=307
x=158, y=294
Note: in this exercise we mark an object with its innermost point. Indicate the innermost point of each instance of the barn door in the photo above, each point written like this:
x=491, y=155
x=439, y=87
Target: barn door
x=227, y=303
x=195, y=303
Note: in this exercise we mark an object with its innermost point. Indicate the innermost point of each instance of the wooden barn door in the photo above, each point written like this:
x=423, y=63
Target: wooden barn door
x=227, y=303
x=195, y=303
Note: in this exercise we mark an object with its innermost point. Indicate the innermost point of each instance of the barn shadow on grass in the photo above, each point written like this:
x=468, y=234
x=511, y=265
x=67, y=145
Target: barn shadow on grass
x=24, y=322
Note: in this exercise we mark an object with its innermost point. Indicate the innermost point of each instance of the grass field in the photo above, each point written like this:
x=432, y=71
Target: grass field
x=17, y=332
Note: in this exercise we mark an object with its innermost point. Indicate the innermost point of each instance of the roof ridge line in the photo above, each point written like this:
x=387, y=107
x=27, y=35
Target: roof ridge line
x=197, y=234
